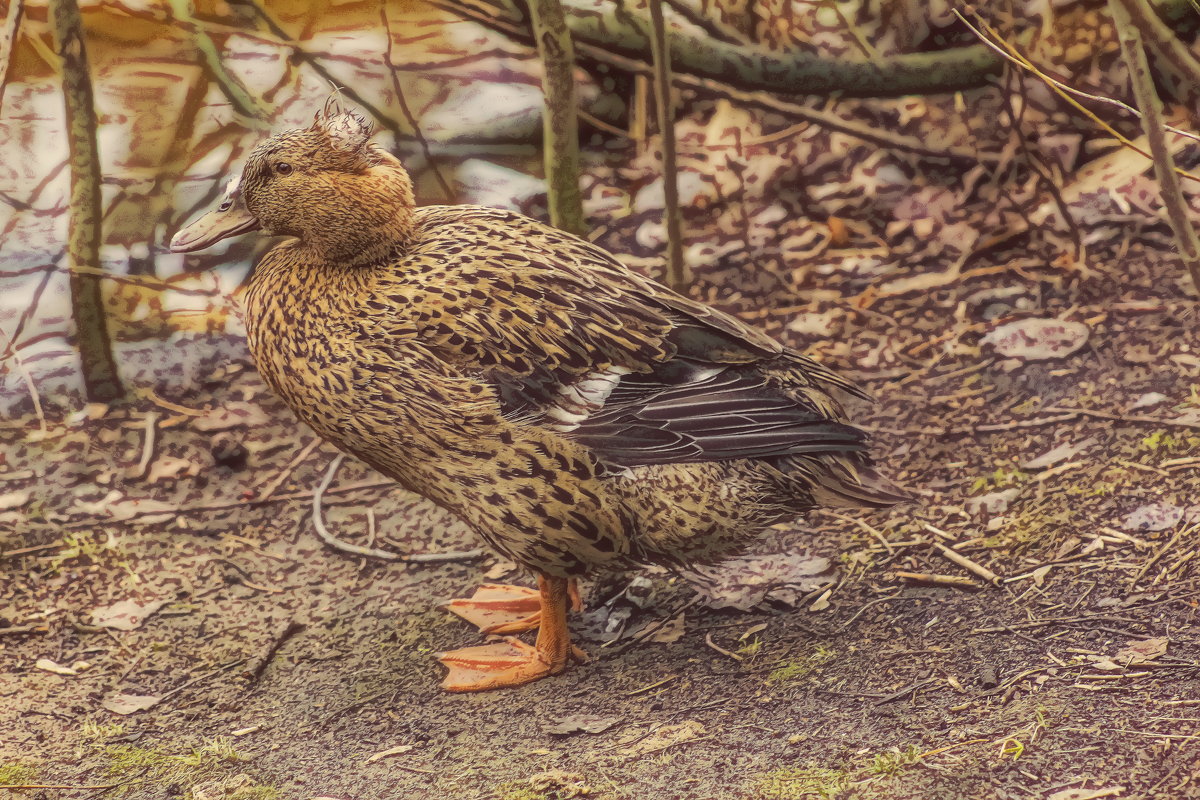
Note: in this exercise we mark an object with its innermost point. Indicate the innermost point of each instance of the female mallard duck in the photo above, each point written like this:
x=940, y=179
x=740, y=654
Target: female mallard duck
x=572, y=412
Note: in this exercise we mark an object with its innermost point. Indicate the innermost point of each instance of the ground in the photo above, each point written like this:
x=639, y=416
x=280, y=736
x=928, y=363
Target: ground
x=279, y=668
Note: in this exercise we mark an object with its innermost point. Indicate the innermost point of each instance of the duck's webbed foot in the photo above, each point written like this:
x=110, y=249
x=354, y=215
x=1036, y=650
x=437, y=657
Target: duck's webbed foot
x=504, y=609
x=511, y=662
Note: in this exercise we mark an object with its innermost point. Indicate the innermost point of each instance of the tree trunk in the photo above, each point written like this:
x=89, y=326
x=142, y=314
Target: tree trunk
x=672, y=221
x=561, y=139
x=100, y=378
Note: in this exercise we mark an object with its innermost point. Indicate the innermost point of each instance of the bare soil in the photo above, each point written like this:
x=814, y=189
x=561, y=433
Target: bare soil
x=283, y=667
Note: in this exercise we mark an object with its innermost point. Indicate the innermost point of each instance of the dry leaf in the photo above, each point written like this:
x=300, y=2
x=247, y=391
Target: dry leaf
x=1153, y=517
x=391, y=751
x=125, y=704
x=11, y=500
x=660, y=632
x=582, y=723
x=1140, y=651
x=746, y=581
x=1037, y=339
x=125, y=615
x=1060, y=453
x=666, y=736
x=58, y=669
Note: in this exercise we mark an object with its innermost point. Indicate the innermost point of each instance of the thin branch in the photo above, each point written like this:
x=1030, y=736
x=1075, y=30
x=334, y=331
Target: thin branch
x=300, y=54
x=8, y=41
x=1025, y=64
x=237, y=95
x=560, y=138
x=371, y=552
x=1164, y=168
x=491, y=17
x=402, y=101
x=1056, y=88
x=714, y=28
x=100, y=379
x=1176, y=55
x=661, y=54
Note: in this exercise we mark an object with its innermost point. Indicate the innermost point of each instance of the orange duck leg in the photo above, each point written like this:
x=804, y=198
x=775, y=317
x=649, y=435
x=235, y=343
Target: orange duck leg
x=511, y=662
x=501, y=608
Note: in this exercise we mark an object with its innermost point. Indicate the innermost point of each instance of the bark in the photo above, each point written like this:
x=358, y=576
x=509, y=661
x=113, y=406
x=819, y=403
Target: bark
x=100, y=378
x=607, y=25
x=661, y=54
x=1151, y=107
x=560, y=140
x=8, y=41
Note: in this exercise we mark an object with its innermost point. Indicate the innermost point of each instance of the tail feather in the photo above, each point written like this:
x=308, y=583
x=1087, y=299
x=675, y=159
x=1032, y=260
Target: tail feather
x=841, y=481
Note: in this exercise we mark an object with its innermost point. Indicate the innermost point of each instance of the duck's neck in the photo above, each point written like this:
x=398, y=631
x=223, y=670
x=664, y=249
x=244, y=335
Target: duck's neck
x=371, y=221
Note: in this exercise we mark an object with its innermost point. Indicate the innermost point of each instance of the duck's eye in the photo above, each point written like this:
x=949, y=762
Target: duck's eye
x=283, y=168
x=225, y=206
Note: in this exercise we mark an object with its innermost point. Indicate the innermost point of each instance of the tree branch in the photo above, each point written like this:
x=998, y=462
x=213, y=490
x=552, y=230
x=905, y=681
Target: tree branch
x=607, y=26
x=231, y=87
x=100, y=379
x=8, y=41
x=661, y=53
x=1152, y=122
x=492, y=17
x=560, y=140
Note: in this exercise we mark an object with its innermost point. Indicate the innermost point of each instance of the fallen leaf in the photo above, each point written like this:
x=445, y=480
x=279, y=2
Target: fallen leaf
x=1060, y=453
x=660, y=632
x=746, y=581
x=1038, y=339
x=130, y=703
x=231, y=415
x=58, y=669
x=10, y=500
x=1153, y=517
x=992, y=503
x=1139, y=651
x=582, y=723
x=667, y=736
x=125, y=615
x=391, y=751
x=822, y=602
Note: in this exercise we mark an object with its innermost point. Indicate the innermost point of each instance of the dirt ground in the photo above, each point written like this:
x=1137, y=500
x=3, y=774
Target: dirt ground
x=278, y=668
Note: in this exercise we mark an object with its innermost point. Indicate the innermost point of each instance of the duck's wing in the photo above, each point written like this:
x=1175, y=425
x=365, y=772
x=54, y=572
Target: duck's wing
x=574, y=341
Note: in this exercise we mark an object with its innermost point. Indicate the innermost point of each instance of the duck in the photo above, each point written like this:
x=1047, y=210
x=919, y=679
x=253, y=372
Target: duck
x=575, y=414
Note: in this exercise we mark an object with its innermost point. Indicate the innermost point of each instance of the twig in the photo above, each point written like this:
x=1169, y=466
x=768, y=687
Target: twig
x=143, y=464
x=1027, y=65
x=956, y=581
x=1164, y=41
x=296, y=461
x=494, y=19
x=864, y=526
x=1150, y=562
x=1087, y=112
x=402, y=101
x=8, y=41
x=231, y=87
x=665, y=111
x=1089, y=412
x=371, y=552
x=198, y=678
x=966, y=563
x=708, y=641
x=27, y=376
x=1164, y=168
x=291, y=629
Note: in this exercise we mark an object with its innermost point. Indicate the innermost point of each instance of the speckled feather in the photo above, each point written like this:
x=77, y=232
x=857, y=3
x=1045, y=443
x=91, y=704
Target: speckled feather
x=572, y=412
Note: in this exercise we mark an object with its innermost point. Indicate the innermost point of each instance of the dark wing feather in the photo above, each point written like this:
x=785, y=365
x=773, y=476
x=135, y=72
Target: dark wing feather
x=572, y=339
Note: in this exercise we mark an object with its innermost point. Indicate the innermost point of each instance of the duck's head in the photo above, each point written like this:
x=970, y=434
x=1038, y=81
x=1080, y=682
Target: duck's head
x=344, y=198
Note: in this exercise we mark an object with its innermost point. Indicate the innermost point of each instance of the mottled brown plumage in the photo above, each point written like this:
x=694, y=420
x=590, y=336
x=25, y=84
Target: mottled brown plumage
x=573, y=413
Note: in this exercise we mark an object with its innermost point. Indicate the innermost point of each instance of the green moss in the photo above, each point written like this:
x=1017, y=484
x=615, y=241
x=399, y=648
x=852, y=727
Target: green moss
x=92, y=731
x=800, y=783
x=797, y=668
x=208, y=762
x=894, y=760
x=17, y=773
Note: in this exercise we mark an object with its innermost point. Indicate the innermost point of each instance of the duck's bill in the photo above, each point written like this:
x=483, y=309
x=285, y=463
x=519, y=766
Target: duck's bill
x=212, y=228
